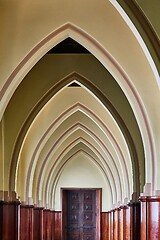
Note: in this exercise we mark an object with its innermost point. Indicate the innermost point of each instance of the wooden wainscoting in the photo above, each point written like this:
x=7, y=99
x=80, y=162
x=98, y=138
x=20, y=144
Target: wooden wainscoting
x=9, y=220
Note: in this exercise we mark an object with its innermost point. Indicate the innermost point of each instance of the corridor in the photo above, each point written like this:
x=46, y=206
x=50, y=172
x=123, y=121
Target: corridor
x=79, y=120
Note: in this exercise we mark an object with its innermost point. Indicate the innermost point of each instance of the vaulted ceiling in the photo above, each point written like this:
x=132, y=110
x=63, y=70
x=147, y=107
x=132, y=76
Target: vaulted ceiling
x=77, y=94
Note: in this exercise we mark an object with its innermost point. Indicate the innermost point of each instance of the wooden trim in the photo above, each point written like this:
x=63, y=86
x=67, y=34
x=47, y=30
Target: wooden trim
x=64, y=212
x=98, y=212
x=149, y=199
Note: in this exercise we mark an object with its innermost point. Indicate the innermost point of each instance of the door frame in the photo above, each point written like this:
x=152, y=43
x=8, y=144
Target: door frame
x=98, y=209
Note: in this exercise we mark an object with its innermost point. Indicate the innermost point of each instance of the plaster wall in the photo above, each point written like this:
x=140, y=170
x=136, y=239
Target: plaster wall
x=81, y=172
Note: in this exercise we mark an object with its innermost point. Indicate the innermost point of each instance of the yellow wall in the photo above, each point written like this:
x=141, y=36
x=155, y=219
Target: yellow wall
x=81, y=172
x=117, y=47
x=47, y=72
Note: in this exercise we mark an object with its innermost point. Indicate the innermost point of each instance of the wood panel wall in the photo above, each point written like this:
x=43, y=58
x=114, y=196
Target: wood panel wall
x=47, y=224
x=143, y=219
x=52, y=224
x=136, y=216
x=58, y=225
x=134, y=221
x=9, y=220
x=39, y=223
x=127, y=222
x=122, y=223
x=26, y=222
x=115, y=224
x=105, y=226
x=150, y=218
x=111, y=224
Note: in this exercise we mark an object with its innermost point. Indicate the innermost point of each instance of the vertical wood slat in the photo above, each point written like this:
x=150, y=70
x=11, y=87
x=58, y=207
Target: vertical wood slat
x=26, y=222
x=132, y=222
x=115, y=224
x=112, y=224
x=52, y=214
x=38, y=223
x=33, y=219
x=47, y=224
x=150, y=217
x=45, y=220
x=143, y=218
x=58, y=225
x=98, y=212
x=120, y=224
x=127, y=221
x=105, y=226
x=9, y=216
x=153, y=219
x=136, y=220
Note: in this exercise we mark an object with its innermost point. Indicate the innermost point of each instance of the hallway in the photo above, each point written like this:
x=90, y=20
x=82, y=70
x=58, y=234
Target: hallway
x=79, y=120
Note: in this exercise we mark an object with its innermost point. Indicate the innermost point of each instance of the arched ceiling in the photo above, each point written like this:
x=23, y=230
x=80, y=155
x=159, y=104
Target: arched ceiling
x=108, y=118
x=73, y=118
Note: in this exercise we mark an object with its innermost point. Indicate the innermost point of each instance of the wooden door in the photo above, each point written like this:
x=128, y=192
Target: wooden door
x=80, y=215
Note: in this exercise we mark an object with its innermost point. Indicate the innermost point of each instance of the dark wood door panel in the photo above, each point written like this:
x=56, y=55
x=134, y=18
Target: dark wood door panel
x=81, y=214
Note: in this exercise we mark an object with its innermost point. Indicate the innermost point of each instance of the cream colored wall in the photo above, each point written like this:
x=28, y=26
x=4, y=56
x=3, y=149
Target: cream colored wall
x=84, y=129
x=24, y=24
x=33, y=13
x=45, y=132
x=81, y=172
x=48, y=71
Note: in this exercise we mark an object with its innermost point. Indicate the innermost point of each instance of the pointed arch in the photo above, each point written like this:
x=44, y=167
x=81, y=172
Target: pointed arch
x=50, y=190
x=54, y=90
x=110, y=158
x=109, y=62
